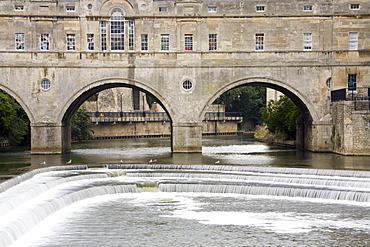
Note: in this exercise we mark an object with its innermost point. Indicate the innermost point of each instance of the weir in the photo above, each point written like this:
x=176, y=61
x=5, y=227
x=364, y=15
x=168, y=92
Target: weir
x=27, y=200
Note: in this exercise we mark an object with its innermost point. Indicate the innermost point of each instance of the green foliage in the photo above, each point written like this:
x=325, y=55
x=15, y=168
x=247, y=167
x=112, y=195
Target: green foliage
x=14, y=123
x=280, y=117
x=247, y=100
x=80, y=125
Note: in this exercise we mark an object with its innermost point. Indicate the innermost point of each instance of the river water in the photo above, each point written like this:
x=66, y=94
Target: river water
x=256, y=195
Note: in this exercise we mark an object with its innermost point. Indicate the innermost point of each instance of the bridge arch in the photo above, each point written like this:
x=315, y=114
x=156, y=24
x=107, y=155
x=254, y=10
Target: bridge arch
x=80, y=96
x=298, y=98
x=19, y=100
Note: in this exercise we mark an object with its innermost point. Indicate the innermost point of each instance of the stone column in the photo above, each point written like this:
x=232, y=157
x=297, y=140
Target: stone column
x=47, y=138
x=186, y=138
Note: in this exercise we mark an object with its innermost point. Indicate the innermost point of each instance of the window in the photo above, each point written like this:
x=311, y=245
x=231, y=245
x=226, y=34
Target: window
x=354, y=6
x=212, y=9
x=19, y=41
x=70, y=8
x=19, y=8
x=90, y=42
x=117, y=30
x=144, y=42
x=212, y=42
x=71, y=42
x=45, y=84
x=89, y=6
x=353, y=40
x=187, y=85
x=165, y=42
x=352, y=81
x=260, y=41
x=188, y=42
x=162, y=9
x=45, y=42
x=103, y=35
x=131, y=35
x=260, y=8
x=307, y=41
x=307, y=8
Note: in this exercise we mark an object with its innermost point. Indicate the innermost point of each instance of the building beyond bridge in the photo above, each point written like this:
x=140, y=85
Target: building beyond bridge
x=54, y=55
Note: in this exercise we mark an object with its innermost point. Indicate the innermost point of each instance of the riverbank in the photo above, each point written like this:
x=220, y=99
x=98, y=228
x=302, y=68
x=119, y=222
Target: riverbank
x=262, y=134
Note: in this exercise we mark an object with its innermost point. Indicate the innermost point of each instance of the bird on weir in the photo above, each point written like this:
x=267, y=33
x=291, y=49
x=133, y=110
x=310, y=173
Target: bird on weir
x=152, y=161
x=42, y=163
x=68, y=162
x=217, y=162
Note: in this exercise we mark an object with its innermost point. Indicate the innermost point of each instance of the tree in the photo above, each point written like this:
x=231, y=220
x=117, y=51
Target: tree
x=280, y=117
x=14, y=123
x=247, y=100
x=80, y=125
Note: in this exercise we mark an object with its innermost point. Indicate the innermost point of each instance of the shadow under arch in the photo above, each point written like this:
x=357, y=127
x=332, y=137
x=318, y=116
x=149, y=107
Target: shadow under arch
x=299, y=100
x=20, y=102
x=80, y=96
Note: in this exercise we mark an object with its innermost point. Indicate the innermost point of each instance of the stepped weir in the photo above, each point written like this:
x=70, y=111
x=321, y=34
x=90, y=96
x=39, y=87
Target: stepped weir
x=27, y=200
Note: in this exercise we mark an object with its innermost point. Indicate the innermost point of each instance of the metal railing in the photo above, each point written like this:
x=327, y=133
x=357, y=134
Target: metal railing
x=157, y=116
x=359, y=95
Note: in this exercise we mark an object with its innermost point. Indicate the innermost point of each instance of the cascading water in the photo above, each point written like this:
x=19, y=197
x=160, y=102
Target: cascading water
x=28, y=199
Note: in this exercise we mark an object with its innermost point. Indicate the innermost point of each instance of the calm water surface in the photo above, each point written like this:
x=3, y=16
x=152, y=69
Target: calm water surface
x=197, y=219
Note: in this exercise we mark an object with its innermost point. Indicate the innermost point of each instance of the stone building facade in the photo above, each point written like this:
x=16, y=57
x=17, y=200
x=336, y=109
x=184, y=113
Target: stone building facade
x=56, y=54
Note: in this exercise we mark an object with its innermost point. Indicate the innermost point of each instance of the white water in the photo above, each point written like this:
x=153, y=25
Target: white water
x=31, y=198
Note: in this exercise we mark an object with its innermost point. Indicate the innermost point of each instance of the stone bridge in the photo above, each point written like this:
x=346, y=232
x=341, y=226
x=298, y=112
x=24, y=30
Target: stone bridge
x=56, y=54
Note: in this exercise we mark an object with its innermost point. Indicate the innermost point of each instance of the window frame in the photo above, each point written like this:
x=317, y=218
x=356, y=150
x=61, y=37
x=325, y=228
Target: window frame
x=144, y=44
x=188, y=42
x=260, y=8
x=70, y=8
x=259, y=41
x=117, y=30
x=45, y=40
x=162, y=9
x=131, y=33
x=354, y=6
x=165, y=42
x=212, y=9
x=307, y=8
x=18, y=7
x=19, y=40
x=212, y=42
x=90, y=42
x=353, y=41
x=307, y=41
x=71, y=42
x=352, y=81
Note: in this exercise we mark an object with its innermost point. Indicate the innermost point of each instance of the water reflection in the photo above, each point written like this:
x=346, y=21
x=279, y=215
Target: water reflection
x=229, y=150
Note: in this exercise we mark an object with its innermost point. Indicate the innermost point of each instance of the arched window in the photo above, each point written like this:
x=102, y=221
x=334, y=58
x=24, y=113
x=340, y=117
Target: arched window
x=117, y=30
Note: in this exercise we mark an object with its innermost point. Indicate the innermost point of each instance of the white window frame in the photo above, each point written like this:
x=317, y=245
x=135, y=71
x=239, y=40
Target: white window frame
x=212, y=42
x=71, y=41
x=19, y=41
x=131, y=32
x=188, y=42
x=354, y=6
x=162, y=9
x=259, y=41
x=45, y=42
x=165, y=42
x=307, y=41
x=144, y=42
x=103, y=35
x=70, y=8
x=212, y=9
x=117, y=30
x=19, y=7
x=260, y=8
x=90, y=44
x=353, y=41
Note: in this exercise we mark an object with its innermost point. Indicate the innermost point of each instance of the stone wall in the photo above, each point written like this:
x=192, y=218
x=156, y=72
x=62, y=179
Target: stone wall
x=350, y=129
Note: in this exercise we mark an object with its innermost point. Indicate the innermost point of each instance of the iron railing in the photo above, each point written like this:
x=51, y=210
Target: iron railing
x=359, y=95
x=157, y=116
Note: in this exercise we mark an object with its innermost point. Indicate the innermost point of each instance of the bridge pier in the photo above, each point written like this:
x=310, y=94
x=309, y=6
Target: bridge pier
x=186, y=138
x=50, y=138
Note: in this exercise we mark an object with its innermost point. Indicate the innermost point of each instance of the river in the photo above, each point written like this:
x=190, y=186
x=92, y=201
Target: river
x=255, y=195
